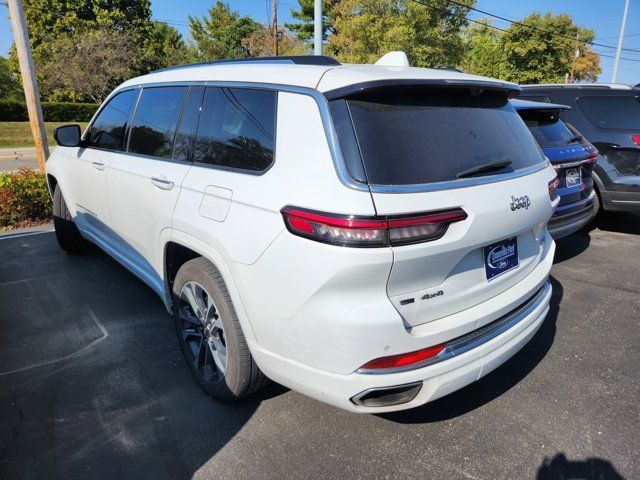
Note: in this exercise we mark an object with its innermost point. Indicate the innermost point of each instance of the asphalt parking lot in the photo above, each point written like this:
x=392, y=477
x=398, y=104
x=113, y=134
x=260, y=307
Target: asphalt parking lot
x=93, y=385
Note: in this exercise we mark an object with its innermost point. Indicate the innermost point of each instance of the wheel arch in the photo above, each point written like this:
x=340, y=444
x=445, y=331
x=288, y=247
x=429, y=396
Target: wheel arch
x=182, y=247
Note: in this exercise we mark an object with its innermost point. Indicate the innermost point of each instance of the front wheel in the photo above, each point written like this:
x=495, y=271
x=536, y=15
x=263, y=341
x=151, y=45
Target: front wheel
x=210, y=334
x=67, y=233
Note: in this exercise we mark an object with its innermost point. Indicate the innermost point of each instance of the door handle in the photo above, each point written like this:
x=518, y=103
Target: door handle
x=98, y=165
x=162, y=183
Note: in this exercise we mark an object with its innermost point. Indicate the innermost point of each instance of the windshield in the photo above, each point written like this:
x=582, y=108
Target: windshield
x=612, y=112
x=548, y=129
x=434, y=136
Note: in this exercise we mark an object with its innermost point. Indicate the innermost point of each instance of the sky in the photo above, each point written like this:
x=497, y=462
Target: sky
x=603, y=16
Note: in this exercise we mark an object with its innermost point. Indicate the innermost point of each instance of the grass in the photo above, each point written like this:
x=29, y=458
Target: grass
x=18, y=134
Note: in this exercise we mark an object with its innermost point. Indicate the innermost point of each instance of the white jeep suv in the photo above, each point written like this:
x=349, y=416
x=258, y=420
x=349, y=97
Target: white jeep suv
x=372, y=236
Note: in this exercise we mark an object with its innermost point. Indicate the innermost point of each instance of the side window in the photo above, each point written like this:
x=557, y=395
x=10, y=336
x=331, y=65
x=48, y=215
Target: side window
x=108, y=129
x=155, y=121
x=186, y=134
x=237, y=128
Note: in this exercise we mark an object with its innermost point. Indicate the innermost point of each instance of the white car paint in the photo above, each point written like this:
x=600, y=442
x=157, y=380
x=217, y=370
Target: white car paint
x=314, y=313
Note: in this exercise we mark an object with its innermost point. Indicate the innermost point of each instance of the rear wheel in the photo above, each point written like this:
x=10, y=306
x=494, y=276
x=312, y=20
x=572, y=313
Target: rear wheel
x=210, y=334
x=67, y=234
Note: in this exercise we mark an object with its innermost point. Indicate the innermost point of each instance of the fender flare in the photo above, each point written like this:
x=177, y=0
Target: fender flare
x=218, y=261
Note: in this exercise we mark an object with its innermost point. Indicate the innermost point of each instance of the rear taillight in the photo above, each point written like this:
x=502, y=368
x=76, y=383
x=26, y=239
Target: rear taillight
x=553, y=188
x=411, y=359
x=380, y=231
x=593, y=157
x=636, y=139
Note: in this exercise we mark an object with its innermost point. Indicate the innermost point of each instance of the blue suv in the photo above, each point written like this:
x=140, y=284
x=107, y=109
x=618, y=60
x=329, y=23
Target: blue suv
x=573, y=158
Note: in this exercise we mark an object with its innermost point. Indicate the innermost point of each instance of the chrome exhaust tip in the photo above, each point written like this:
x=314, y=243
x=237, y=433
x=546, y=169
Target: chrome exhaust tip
x=387, y=396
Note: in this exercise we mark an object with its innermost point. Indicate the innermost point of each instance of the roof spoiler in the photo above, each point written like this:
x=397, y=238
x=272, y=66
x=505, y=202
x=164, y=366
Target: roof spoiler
x=478, y=87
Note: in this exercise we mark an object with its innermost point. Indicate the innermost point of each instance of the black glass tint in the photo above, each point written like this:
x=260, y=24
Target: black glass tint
x=186, y=134
x=155, y=121
x=108, y=129
x=237, y=128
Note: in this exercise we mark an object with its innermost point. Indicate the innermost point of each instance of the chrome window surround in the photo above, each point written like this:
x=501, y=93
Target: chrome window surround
x=332, y=139
x=478, y=337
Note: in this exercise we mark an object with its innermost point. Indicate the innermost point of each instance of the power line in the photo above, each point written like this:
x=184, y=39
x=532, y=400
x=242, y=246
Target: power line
x=485, y=24
x=505, y=19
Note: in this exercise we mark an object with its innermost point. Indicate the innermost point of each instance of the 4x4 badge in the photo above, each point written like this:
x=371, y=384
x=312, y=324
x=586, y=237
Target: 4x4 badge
x=520, y=202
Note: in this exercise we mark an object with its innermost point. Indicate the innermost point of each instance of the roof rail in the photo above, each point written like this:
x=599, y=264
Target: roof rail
x=603, y=86
x=321, y=60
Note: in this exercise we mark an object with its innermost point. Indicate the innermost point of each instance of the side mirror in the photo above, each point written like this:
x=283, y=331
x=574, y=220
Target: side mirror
x=67, y=135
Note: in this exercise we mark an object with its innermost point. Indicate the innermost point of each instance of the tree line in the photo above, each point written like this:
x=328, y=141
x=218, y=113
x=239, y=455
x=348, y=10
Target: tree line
x=84, y=48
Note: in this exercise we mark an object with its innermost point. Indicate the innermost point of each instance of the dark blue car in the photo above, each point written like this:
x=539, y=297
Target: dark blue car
x=573, y=158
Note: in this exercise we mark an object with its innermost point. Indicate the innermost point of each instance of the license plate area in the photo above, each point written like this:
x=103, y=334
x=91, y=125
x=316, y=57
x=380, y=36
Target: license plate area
x=501, y=257
x=573, y=177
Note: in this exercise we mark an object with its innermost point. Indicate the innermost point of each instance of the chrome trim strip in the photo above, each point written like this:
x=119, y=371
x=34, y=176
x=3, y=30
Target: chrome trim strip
x=470, y=182
x=478, y=337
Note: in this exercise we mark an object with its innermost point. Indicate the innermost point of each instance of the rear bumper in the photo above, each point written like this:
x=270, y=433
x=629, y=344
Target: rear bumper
x=571, y=218
x=503, y=325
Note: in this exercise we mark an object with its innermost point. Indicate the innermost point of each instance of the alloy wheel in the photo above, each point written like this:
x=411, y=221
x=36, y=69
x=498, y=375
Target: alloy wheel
x=202, y=332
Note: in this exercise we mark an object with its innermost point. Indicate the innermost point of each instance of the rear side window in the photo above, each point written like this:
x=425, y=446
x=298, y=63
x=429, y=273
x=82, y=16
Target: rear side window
x=237, y=128
x=155, y=120
x=433, y=136
x=612, y=112
x=547, y=128
x=186, y=135
x=108, y=129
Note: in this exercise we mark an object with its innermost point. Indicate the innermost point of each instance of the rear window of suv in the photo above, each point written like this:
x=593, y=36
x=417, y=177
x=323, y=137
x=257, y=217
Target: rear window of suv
x=547, y=128
x=416, y=137
x=612, y=112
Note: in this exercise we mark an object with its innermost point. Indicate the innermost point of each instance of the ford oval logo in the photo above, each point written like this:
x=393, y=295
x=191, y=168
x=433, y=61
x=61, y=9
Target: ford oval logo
x=498, y=257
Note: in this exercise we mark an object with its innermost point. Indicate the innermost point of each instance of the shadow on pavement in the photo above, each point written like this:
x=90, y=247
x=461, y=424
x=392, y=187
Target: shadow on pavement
x=495, y=383
x=571, y=246
x=92, y=380
x=620, y=222
x=560, y=468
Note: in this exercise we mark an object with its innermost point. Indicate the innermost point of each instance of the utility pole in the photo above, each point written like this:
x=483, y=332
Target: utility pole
x=29, y=82
x=619, y=50
x=317, y=27
x=576, y=54
x=274, y=21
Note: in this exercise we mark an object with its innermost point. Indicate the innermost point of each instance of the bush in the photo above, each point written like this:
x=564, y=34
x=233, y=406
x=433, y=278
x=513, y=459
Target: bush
x=24, y=198
x=12, y=111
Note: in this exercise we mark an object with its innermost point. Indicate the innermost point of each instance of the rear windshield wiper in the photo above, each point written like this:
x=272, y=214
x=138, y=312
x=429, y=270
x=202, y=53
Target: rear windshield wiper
x=575, y=138
x=486, y=168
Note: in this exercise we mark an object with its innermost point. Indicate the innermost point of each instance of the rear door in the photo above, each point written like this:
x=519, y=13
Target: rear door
x=435, y=150
x=145, y=183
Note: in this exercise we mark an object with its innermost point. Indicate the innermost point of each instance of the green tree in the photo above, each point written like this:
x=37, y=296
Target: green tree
x=545, y=52
x=303, y=27
x=430, y=34
x=167, y=47
x=221, y=33
x=10, y=88
x=89, y=64
x=54, y=21
x=483, y=51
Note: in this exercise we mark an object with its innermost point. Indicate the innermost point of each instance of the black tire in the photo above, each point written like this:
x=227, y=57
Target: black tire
x=69, y=238
x=597, y=205
x=242, y=376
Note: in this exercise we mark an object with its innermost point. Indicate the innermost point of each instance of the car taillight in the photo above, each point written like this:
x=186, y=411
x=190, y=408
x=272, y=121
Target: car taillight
x=411, y=359
x=553, y=188
x=376, y=231
x=593, y=157
x=636, y=139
